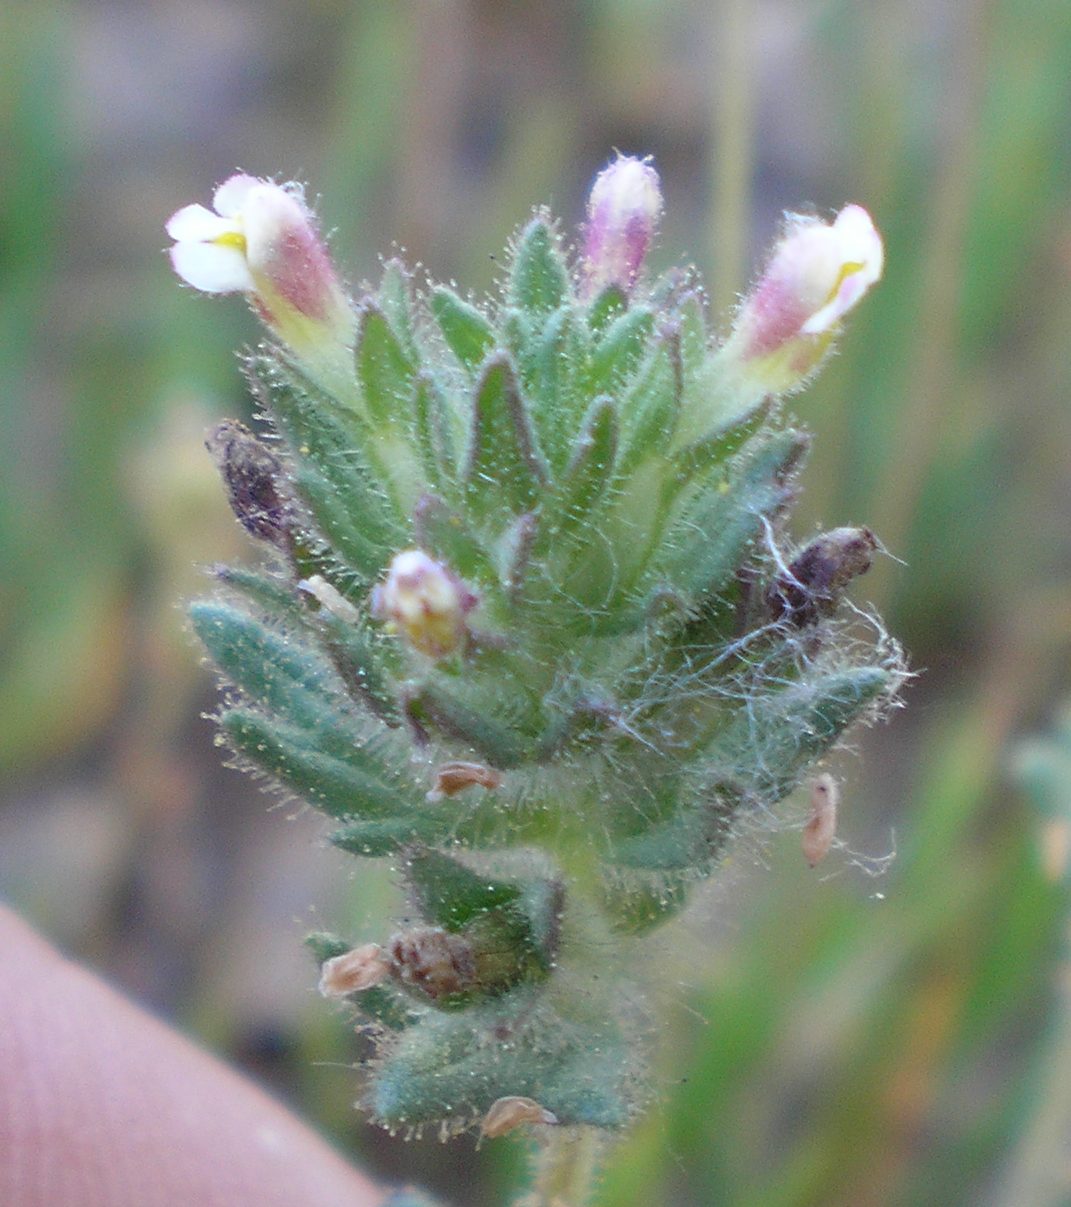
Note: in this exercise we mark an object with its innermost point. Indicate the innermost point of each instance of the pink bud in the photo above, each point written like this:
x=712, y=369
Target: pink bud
x=262, y=241
x=623, y=212
x=818, y=272
x=426, y=602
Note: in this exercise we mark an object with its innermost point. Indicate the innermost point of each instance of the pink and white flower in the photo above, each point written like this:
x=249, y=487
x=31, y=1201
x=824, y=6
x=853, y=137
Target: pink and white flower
x=624, y=207
x=818, y=272
x=260, y=239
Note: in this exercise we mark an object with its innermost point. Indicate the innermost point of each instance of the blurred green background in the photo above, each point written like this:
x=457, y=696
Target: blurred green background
x=825, y=1038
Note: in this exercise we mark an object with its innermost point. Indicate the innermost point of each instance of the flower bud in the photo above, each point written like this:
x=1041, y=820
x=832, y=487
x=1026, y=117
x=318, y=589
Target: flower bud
x=426, y=602
x=623, y=212
x=262, y=241
x=817, y=273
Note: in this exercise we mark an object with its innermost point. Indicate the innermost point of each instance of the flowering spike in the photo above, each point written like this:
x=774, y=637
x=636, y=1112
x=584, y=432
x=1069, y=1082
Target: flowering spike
x=818, y=272
x=654, y=664
x=261, y=241
x=624, y=207
x=426, y=602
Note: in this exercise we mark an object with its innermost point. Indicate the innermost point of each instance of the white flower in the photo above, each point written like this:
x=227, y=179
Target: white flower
x=260, y=239
x=818, y=272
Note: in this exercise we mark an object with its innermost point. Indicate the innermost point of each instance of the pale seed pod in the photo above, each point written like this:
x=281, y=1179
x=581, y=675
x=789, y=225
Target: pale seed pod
x=354, y=971
x=506, y=1114
x=821, y=827
x=452, y=778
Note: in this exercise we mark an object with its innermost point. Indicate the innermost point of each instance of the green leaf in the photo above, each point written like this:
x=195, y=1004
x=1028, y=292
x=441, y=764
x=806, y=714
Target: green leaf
x=395, y=300
x=539, y=281
x=768, y=745
x=375, y=838
x=636, y=904
x=481, y=728
x=708, y=543
x=617, y=354
x=450, y=1066
x=505, y=469
x=384, y=370
x=360, y=656
x=275, y=670
x=346, y=499
x=326, y=946
x=433, y=433
x=554, y=376
x=440, y=531
x=651, y=403
x=467, y=333
x=353, y=787
x=449, y=894
x=590, y=471
x=345, y=537
x=689, y=839
x=609, y=305
x=273, y=594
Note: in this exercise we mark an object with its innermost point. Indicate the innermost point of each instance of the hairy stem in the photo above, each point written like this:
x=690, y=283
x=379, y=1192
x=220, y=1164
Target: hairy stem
x=565, y=1168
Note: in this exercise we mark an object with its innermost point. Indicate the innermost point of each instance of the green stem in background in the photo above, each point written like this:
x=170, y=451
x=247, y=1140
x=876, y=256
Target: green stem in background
x=1036, y=1175
x=732, y=114
x=565, y=1169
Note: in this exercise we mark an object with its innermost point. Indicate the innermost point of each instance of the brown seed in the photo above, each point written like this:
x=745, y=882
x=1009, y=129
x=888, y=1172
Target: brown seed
x=452, y=778
x=821, y=827
x=511, y=1112
x=354, y=970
